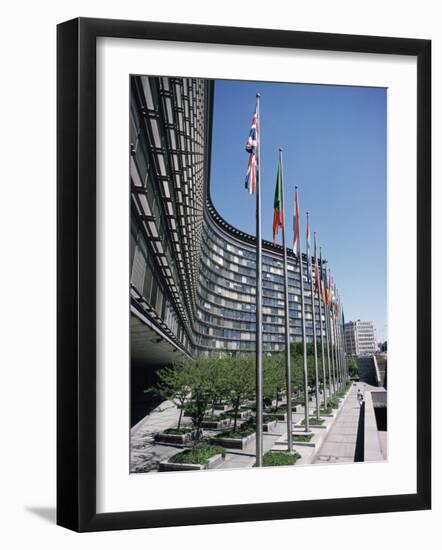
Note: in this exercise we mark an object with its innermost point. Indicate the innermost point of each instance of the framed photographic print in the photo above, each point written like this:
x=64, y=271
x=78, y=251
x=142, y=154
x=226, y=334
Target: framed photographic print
x=243, y=274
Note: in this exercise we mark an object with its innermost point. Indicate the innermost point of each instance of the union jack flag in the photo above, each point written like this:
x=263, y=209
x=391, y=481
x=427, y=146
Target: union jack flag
x=252, y=149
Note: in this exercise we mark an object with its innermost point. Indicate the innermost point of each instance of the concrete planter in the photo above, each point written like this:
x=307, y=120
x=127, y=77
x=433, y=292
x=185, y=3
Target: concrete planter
x=244, y=415
x=301, y=401
x=269, y=426
x=310, y=443
x=222, y=407
x=231, y=443
x=314, y=426
x=216, y=424
x=175, y=439
x=329, y=415
x=167, y=466
x=282, y=415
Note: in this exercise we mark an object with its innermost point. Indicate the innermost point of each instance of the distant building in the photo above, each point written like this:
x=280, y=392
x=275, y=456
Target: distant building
x=360, y=338
x=350, y=339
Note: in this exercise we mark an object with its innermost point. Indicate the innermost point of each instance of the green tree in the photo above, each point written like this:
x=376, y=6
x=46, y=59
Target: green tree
x=201, y=392
x=239, y=376
x=175, y=384
x=274, y=376
x=219, y=383
x=352, y=367
x=297, y=369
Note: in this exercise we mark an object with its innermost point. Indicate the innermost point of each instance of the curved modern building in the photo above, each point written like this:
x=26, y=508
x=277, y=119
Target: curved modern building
x=192, y=275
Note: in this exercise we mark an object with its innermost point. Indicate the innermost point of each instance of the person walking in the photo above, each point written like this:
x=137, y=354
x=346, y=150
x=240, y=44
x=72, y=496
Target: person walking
x=360, y=397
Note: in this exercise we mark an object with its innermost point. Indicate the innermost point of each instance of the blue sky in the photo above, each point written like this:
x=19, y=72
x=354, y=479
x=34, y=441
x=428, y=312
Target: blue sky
x=334, y=147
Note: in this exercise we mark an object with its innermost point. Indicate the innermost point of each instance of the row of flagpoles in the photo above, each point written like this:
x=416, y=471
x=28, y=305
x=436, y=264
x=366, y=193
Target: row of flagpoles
x=323, y=293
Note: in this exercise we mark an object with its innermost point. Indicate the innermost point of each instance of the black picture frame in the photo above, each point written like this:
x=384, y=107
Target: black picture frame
x=76, y=274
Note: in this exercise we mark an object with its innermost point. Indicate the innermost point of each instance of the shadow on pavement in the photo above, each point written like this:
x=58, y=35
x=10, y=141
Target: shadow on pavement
x=359, y=449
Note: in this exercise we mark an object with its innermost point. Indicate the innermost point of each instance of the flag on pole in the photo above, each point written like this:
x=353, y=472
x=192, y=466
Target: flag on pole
x=252, y=149
x=323, y=281
x=316, y=267
x=296, y=241
x=326, y=289
x=278, y=214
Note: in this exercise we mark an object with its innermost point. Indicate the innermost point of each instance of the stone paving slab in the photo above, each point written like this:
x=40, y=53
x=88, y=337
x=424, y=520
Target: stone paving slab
x=336, y=444
x=339, y=445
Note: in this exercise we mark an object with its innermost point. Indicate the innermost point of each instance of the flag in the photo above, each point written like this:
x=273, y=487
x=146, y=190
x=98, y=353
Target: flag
x=323, y=295
x=278, y=214
x=307, y=245
x=326, y=289
x=296, y=241
x=252, y=149
x=316, y=267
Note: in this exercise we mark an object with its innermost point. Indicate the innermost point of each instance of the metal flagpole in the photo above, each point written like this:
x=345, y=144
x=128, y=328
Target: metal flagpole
x=341, y=343
x=341, y=364
x=315, y=346
x=304, y=340
x=344, y=358
x=324, y=378
x=331, y=339
x=327, y=335
x=333, y=332
x=287, y=323
x=259, y=377
x=335, y=335
x=341, y=329
x=332, y=343
x=338, y=326
x=335, y=328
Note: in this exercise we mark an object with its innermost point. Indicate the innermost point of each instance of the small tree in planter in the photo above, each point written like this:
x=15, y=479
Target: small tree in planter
x=174, y=384
x=219, y=383
x=240, y=379
x=274, y=376
x=297, y=369
x=201, y=391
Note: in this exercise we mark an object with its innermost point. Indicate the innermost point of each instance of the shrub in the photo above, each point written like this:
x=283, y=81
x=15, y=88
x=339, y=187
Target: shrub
x=217, y=417
x=243, y=431
x=333, y=403
x=314, y=421
x=178, y=431
x=200, y=454
x=280, y=459
x=302, y=438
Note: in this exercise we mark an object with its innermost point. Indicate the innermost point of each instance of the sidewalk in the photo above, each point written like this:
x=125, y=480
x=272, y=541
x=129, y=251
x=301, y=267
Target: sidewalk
x=340, y=443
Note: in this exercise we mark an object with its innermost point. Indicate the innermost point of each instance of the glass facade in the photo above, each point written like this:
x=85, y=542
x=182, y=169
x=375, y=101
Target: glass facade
x=192, y=274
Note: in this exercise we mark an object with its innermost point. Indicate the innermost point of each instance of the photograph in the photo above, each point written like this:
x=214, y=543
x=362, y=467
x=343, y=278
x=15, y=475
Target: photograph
x=258, y=274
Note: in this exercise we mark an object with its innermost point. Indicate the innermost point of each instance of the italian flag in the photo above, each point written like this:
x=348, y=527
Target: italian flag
x=278, y=214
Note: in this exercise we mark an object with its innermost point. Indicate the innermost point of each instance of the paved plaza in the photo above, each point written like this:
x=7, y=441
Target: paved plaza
x=335, y=442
